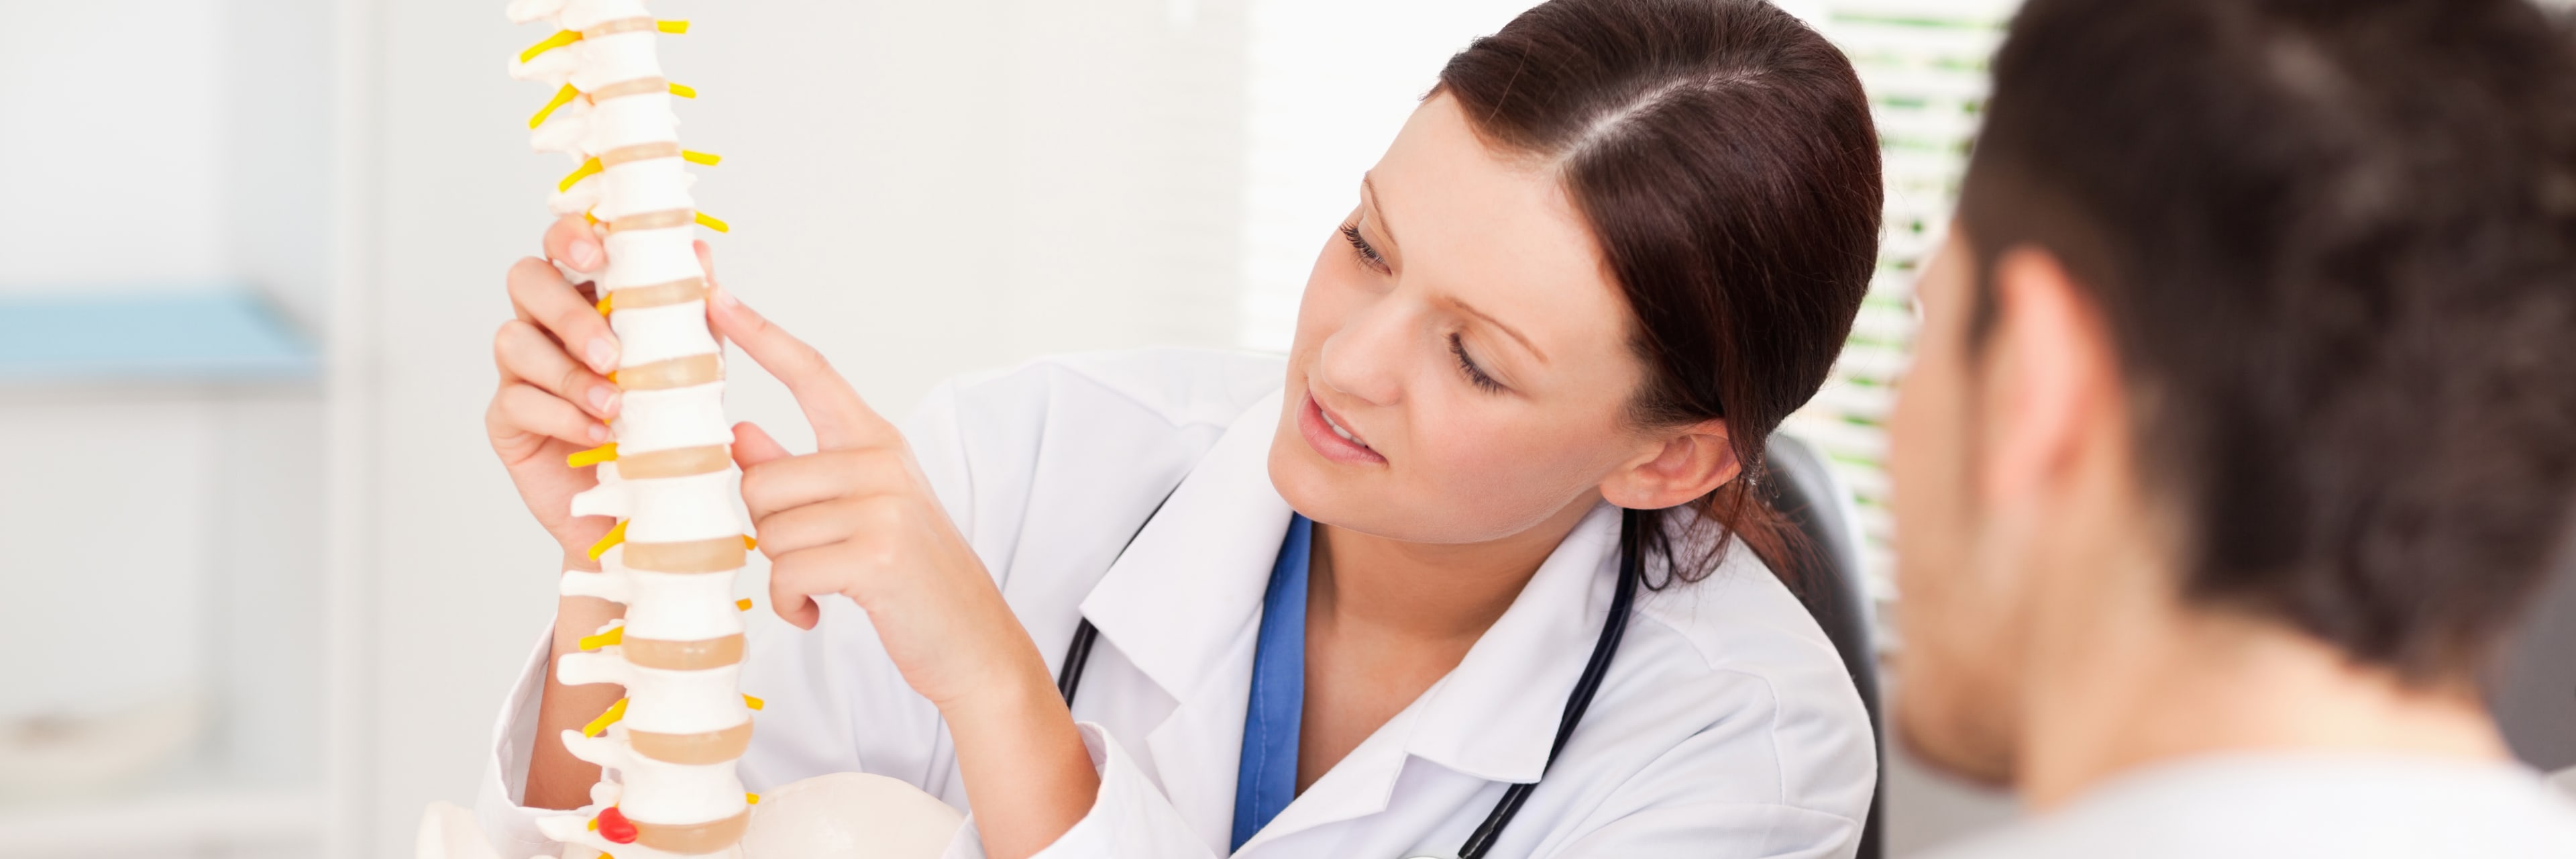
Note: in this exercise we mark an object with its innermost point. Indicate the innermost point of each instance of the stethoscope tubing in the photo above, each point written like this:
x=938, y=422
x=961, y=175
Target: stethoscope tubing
x=1614, y=628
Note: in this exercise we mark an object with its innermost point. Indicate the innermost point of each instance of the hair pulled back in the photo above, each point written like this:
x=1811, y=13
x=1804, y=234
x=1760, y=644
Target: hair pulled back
x=1723, y=155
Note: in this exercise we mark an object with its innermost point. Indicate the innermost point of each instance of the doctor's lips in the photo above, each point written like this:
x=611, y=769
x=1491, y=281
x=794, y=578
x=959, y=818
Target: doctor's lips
x=1339, y=431
x=1330, y=438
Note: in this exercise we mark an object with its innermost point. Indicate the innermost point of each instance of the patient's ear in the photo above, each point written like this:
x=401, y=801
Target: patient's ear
x=2050, y=377
x=1688, y=463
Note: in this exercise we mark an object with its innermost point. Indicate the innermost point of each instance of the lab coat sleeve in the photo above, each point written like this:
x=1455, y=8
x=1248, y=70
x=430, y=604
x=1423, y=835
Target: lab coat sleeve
x=1129, y=819
x=1794, y=785
x=811, y=683
x=1722, y=830
x=817, y=684
x=938, y=445
x=510, y=827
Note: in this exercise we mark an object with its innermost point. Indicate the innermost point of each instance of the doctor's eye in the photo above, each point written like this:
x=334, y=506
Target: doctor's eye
x=1475, y=375
x=1367, y=252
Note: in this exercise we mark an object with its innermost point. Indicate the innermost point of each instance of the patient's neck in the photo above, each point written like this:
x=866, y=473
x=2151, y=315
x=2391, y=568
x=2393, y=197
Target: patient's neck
x=2161, y=682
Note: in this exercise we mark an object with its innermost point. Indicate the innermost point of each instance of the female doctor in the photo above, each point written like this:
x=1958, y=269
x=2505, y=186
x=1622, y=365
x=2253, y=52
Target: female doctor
x=1495, y=502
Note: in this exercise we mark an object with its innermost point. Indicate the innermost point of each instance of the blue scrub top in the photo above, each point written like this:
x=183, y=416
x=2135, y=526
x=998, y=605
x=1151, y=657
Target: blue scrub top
x=1267, y=779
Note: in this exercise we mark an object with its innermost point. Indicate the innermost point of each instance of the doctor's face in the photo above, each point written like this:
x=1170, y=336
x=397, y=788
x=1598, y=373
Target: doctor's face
x=1461, y=370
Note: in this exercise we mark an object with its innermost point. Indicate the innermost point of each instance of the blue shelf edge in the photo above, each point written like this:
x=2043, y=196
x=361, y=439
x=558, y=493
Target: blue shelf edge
x=230, y=335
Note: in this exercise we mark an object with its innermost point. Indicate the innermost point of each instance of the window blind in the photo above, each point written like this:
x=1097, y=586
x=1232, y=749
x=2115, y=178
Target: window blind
x=1923, y=63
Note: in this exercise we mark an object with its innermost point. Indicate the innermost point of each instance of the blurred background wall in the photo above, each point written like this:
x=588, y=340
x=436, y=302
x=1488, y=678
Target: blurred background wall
x=164, y=253
x=261, y=585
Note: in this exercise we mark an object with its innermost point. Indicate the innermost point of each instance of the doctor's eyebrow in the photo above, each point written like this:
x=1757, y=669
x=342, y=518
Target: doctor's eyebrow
x=1393, y=249
x=1368, y=202
x=1469, y=309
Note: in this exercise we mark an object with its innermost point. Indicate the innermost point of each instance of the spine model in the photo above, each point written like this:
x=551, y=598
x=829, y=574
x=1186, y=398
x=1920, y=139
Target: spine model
x=672, y=742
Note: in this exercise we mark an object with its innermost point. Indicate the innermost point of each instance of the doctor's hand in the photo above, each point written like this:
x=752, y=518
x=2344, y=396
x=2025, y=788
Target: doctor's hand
x=554, y=396
x=858, y=518
x=554, y=399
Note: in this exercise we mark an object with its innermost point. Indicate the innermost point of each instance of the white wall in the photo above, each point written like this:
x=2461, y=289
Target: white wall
x=164, y=144
x=139, y=545
x=275, y=176
x=1331, y=81
x=110, y=122
x=917, y=188
x=161, y=538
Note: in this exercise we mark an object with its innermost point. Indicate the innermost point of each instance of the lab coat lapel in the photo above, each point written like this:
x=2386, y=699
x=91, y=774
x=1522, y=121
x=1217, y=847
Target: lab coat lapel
x=1183, y=605
x=1494, y=716
x=1362, y=784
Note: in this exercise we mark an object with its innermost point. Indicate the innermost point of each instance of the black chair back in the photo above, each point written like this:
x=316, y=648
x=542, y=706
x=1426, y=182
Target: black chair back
x=2529, y=685
x=1830, y=582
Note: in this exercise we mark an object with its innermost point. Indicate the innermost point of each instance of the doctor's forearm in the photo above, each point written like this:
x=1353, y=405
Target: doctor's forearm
x=556, y=779
x=1028, y=776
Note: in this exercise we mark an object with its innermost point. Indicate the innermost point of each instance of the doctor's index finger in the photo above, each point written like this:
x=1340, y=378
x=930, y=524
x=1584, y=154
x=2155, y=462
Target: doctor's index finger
x=841, y=419
x=572, y=241
x=541, y=295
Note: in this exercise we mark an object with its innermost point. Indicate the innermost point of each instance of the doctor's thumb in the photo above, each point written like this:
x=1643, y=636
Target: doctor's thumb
x=753, y=446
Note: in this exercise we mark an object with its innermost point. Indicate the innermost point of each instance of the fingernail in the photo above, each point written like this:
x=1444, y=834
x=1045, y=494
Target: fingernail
x=601, y=397
x=603, y=355
x=585, y=254
x=599, y=433
x=724, y=297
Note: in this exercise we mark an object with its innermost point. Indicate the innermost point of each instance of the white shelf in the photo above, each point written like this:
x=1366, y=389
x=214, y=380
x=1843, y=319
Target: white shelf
x=184, y=335
x=172, y=822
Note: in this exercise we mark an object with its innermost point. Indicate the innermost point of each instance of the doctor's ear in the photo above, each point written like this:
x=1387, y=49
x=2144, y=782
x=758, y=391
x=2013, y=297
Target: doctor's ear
x=1692, y=461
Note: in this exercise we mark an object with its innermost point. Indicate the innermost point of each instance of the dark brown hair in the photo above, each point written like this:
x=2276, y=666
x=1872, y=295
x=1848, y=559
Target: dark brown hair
x=2334, y=243
x=1723, y=154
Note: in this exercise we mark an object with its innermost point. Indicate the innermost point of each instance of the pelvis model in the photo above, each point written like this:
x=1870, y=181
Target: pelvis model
x=670, y=746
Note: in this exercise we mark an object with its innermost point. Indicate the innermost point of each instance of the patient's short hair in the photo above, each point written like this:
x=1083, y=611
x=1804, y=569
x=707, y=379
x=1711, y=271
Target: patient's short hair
x=2334, y=242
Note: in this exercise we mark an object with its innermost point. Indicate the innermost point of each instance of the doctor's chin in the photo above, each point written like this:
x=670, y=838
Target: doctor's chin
x=1289, y=429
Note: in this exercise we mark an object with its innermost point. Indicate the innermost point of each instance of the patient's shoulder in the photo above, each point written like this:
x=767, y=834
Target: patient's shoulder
x=2349, y=806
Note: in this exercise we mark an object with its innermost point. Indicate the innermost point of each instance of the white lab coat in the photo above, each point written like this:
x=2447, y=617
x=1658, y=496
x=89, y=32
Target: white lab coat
x=1726, y=727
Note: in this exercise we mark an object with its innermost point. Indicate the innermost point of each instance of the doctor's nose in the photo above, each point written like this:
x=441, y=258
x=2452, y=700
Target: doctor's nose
x=1365, y=360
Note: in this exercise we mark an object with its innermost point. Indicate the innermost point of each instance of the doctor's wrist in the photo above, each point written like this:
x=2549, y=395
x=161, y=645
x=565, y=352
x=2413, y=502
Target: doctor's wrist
x=1027, y=772
x=1012, y=682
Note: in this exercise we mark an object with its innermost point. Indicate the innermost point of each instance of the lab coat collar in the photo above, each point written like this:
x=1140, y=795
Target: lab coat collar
x=1186, y=596
x=1495, y=715
x=1191, y=582
x=1182, y=604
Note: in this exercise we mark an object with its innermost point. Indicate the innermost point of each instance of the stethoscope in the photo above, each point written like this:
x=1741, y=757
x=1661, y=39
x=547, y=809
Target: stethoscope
x=1077, y=657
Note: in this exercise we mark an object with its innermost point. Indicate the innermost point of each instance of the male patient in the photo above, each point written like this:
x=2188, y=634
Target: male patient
x=2243, y=419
